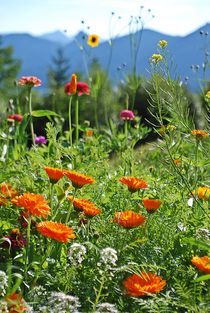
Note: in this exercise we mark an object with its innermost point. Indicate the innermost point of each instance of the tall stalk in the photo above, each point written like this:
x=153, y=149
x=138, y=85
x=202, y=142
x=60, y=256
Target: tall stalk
x=30, y=114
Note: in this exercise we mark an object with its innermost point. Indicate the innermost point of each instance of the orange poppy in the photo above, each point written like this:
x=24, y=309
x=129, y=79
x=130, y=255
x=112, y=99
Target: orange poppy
x=78, y=180
x=16, y=303
x=85, y=205
x=151, y=205
x=35, y=204
x=54, y=174
x=129, y=219
x=203, y=193
x=133, y=183
x=199, y=133
x=202, y=263
x=143, y=284
x=56, y=231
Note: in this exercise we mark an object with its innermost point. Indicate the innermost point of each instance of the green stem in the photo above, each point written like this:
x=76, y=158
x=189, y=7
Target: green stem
x=70, y=124
x=30, y=115
x=71, y=204
x=77, y=120
x=98, y=294
x=28, y=234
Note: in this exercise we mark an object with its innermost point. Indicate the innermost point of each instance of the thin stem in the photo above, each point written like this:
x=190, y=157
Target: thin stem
x=71, y=204
x=70, y=124
x=27, y=247
x=77, y=120
x=98, y=294
x=30, y=115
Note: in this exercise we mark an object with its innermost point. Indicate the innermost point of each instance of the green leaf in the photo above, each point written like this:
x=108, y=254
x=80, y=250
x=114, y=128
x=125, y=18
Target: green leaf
x=41, y=113
x=202, y=278
x=198, y=243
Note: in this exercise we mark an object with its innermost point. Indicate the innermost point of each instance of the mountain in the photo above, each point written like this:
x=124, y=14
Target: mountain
x=188, y=53
x=57, y=37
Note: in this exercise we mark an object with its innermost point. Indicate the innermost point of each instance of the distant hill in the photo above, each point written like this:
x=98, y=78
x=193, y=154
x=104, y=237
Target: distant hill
x=36, y=53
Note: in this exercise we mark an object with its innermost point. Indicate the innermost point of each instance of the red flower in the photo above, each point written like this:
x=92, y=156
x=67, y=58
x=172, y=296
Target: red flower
x=31, y=81
x=83, y=88
x=15, y=117
x=73, y=86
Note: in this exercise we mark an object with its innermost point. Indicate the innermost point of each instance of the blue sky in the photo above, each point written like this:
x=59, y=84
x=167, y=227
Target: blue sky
x=175, y=17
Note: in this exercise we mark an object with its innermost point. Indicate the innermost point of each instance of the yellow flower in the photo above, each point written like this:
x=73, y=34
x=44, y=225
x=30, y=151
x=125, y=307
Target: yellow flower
x=156, y=58
x=162, y=44
x=93, y=40
x=203, y=193
x=208, y=94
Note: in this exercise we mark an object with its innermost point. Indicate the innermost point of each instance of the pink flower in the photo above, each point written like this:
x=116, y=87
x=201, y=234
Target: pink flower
x=40, y=140
x=15, y=117
x=31, y=81
x=127, y=115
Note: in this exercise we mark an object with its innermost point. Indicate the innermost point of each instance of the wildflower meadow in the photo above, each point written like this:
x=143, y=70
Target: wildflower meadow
x=102, y=210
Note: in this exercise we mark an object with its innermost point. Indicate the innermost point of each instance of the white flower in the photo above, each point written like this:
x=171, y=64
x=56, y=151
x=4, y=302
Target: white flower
x=60, y=302
x=108, y=257
x=3, y=306
x=3, y=283
x=106, y=308
x=76, y=253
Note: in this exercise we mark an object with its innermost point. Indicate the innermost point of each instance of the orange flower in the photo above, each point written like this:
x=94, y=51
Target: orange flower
x=6, y=191
x=71, y=87
x=202, y=263
x=133, y=183
x=54, y=174
x=199, y=133
x=202, y=193
x=129, y=219
x=89, y=133
x=16, y=303
x=143, y=284
x=56, y=231
x=78, y=180
x=35, y=204
x=151, y=205
x=177, y=162
x=85, y=205
x=31, y=81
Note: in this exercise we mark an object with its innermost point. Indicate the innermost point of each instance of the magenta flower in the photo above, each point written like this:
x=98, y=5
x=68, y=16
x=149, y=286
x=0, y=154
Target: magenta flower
x=40, y=140
x=127, y=115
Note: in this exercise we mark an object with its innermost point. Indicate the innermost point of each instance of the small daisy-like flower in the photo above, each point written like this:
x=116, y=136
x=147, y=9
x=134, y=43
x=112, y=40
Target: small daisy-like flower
x=93, y=40
x=156, y=58
x=31, y=81
x=71, y=87
x=202, y=193
x=143, y=284
x=202, y=263
x=54, y=174
x=162, y=44
x=133, y=183
x=15, y=117
x=199, y=133
x=56, y=231
x=85, y=205
x=35, y=204
x=78, y=180
x=127, y=115
x=151, y=205
x=129, y=219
